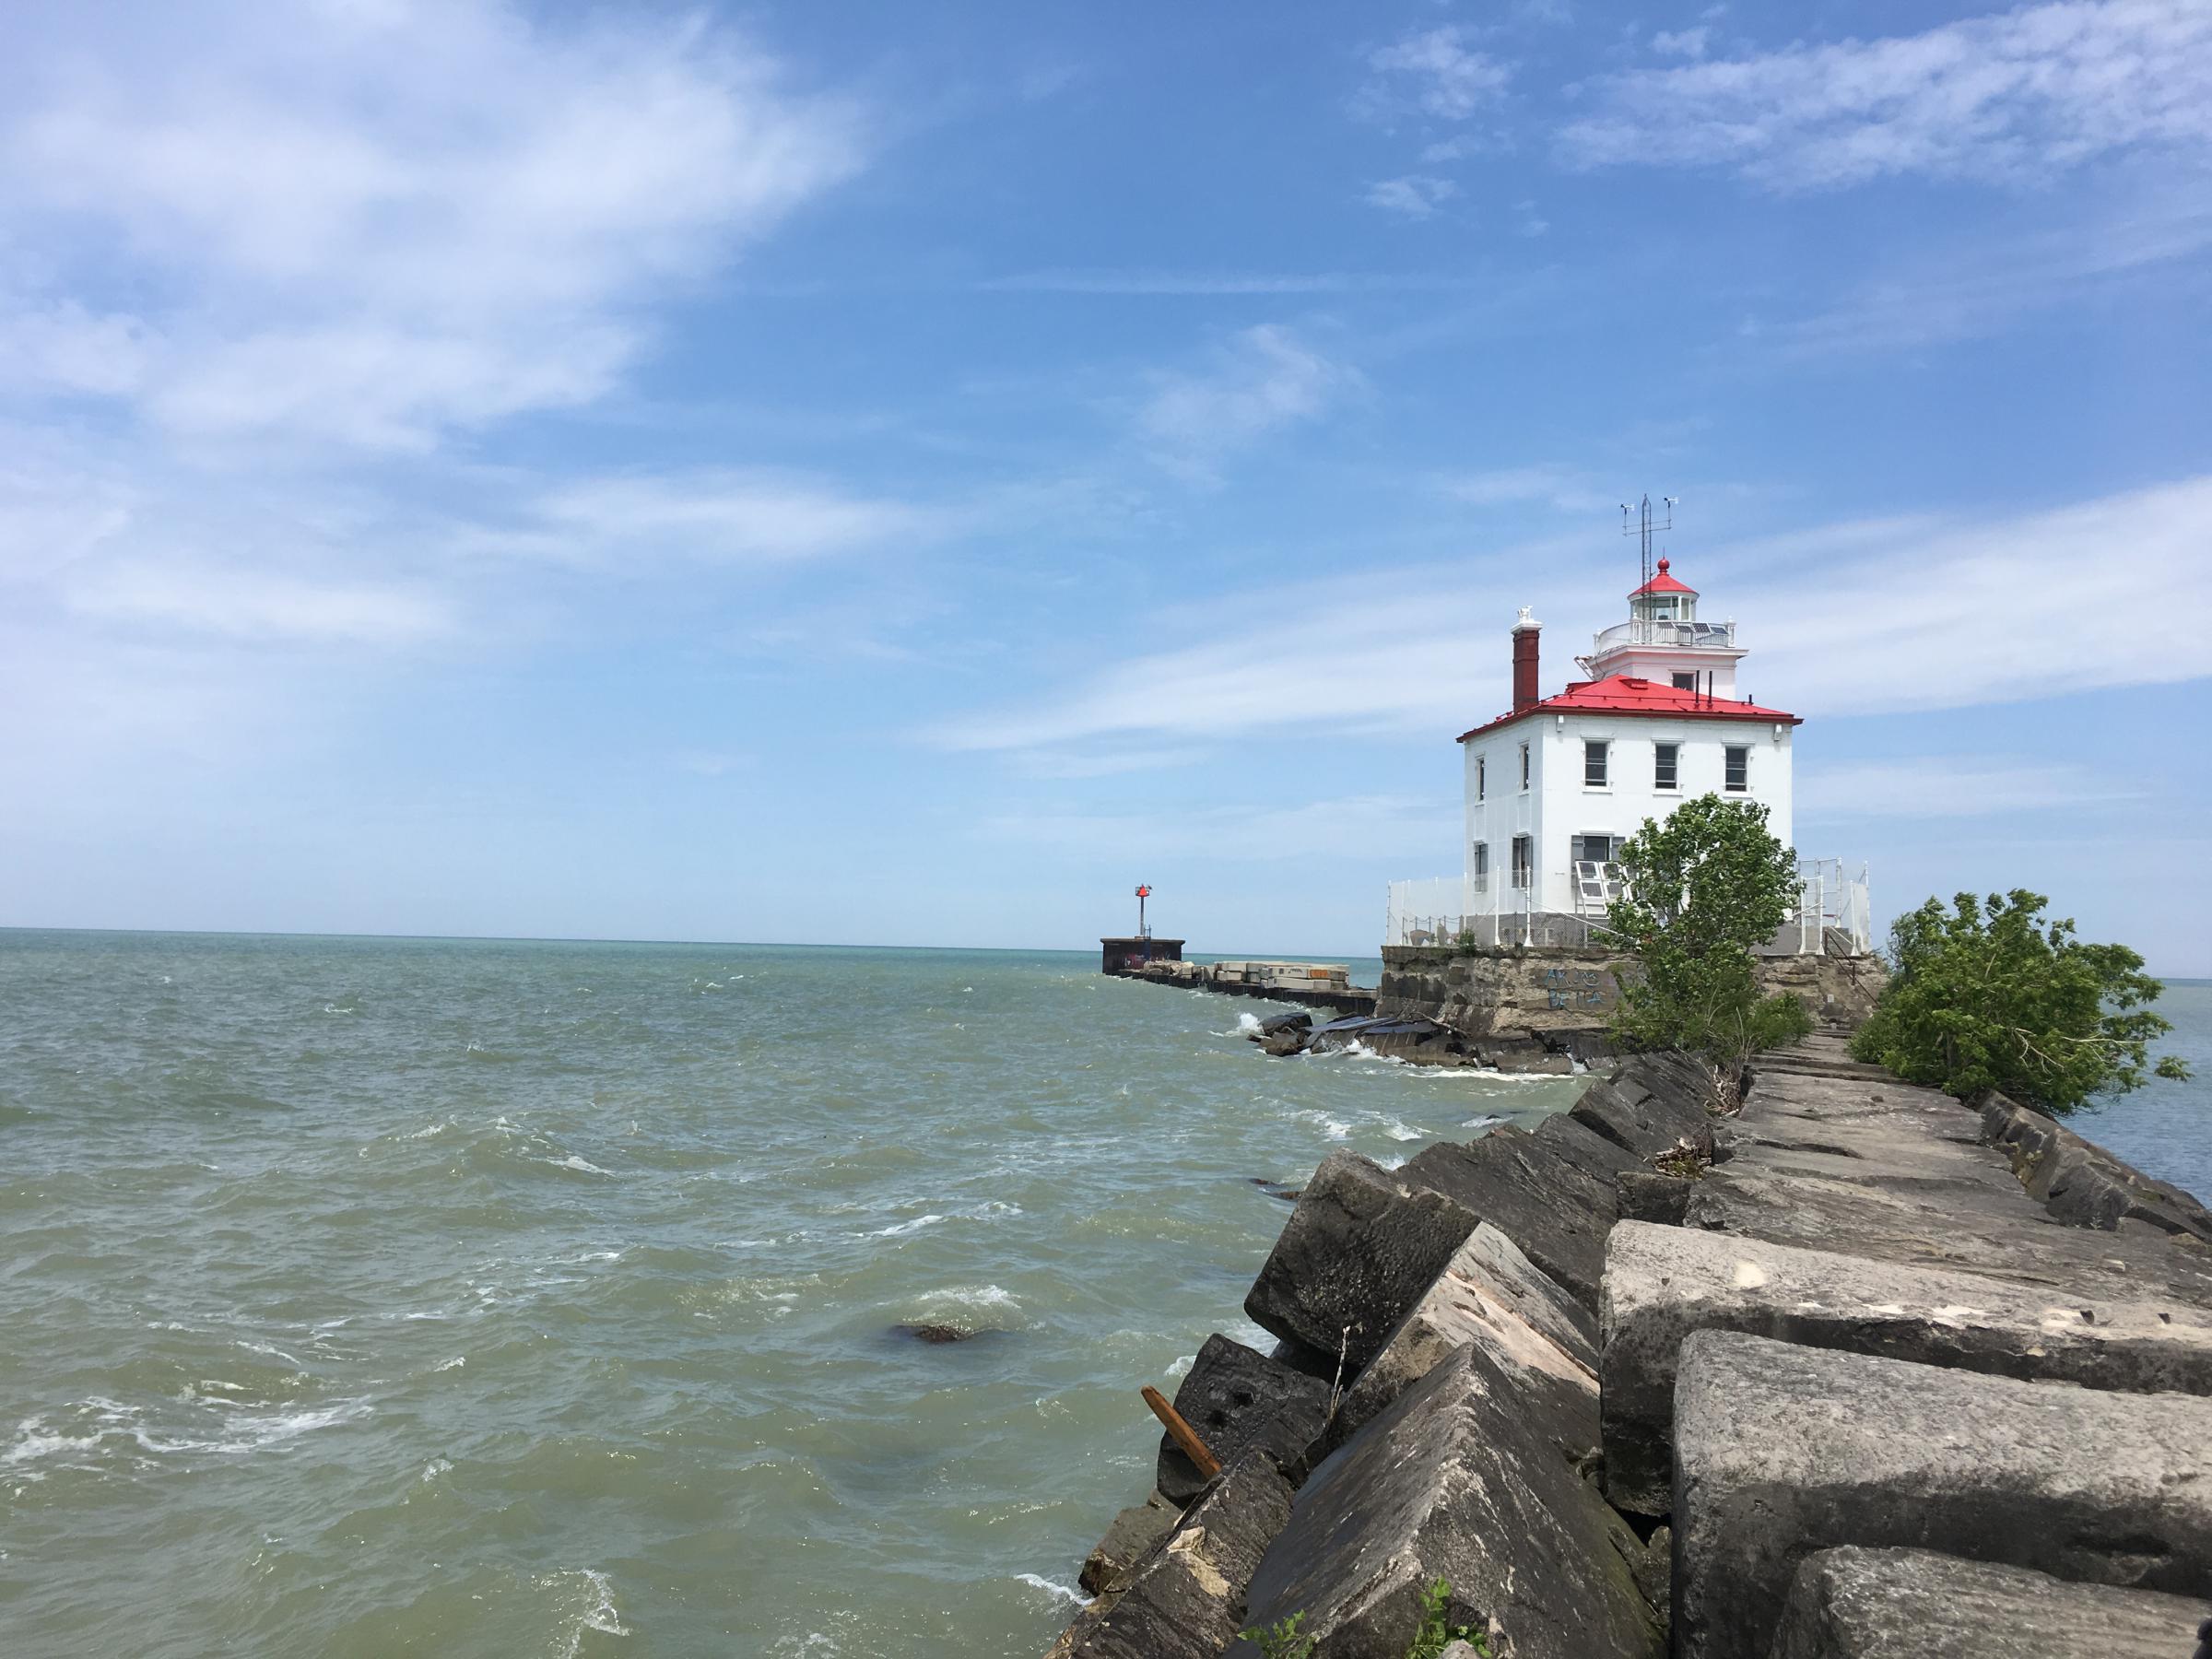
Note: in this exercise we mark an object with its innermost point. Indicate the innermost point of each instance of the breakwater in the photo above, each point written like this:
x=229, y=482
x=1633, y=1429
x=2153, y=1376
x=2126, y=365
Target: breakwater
x=1845, y=1361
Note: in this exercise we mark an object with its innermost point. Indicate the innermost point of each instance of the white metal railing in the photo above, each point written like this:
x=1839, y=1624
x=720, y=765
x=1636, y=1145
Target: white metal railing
x=1835, y=899
x=1658, y=630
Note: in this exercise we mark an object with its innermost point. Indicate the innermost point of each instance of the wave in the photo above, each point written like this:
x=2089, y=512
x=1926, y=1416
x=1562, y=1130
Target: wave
x=1063, y=1592
x=904, y=1227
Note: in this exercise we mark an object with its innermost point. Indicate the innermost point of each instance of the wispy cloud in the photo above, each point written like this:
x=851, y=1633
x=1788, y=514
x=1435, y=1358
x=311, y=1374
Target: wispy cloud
x=1561, y=488
x=259, y=605
x=368, y=224
x=1260, y=381
x=1417, y=196
x=1435, y=71
x=1347, y=827
x=1902, y=614
x=2014, y=98
x=714, y=516
x=1226, y=283
x=1936, y=786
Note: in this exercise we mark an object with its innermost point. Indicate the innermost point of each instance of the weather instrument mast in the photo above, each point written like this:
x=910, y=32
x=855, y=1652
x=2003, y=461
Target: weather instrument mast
x=1643, y=530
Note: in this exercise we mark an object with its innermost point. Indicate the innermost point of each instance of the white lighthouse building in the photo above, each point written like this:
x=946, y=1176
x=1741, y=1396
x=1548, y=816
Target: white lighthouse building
x=1555, y=786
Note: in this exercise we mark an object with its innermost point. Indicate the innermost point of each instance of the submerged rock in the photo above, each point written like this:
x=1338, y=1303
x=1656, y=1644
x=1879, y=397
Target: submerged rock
x=935, y=1333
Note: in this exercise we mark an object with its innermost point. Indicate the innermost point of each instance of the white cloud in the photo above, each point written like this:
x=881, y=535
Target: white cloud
x=1941, y=786
x=1264, y=380
x=1436, y=71
x=2013, y=98
x=711, y=517
x=1902, y=614
x=1682, y=42
x=1417, y=196
x=369, y=224
x=259, y=605
x=1563, y=488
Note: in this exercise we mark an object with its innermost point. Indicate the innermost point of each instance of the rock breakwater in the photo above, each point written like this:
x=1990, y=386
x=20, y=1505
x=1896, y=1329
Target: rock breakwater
x=1802, y=1378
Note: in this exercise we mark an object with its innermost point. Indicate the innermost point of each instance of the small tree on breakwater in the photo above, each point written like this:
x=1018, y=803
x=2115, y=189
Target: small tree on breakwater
x=1989, y=996
x=1702, y=890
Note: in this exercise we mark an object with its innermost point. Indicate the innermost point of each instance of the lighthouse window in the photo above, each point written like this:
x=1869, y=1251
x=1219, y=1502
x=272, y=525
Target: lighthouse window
x=1739, y=769
x=1479, y=872
x=1524, y=766
x=1593, y=765
x=1479, y=768
x=1523, y=863
x=1595, y=849
x=1685, y=682
x=1665, y=766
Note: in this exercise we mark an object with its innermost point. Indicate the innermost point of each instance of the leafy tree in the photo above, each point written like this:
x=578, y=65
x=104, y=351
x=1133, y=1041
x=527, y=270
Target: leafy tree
x=1989, y=996
x=1702, y=889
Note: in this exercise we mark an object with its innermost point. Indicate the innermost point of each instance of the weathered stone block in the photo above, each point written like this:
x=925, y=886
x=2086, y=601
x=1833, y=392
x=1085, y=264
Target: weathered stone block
x=1661, y=1283
x=1782, y=1451
x=1489, y=1293
x=1650, y=1105
x=1555, y=1213
x=2081, y=1183
x=1470, y=1475
x=1360, y=1247
x=1239, y=1400
x=1577, y=1143
x=1132, y=1533
x=1185, y=1599
x=1910, y=1604
x=1659, y=1200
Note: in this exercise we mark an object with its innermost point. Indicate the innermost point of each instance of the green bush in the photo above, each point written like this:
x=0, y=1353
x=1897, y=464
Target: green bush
x=1702, y=889
x=1989, y=996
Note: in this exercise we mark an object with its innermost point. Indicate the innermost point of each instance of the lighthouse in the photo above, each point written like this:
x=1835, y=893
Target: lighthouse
x=1555, y=786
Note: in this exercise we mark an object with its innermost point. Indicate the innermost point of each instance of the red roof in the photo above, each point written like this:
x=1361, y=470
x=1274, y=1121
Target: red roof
x=1624, y=694
x=1662, y=584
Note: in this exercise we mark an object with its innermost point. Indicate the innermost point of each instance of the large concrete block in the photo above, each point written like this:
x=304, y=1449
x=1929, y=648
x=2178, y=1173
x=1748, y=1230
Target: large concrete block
x=1650, y=1105
x=1128, y=1539
x=1565, y=1137
x=1360, y=1247
x=1185, y=1599
x=1238, y=1401
x=2080, y=1182
x=1910, y=1604
x=1994, y=1232
x=1555, y=1213
x=1661, y=1283
x=1471, y=1475
x=1782, y=1451
x=1489, y=1293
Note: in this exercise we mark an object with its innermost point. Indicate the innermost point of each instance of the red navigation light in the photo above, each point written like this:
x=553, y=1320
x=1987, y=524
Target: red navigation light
x=1144, y=892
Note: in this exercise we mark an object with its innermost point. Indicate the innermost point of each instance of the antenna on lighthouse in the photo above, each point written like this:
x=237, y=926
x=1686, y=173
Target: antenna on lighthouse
x=1643, y=530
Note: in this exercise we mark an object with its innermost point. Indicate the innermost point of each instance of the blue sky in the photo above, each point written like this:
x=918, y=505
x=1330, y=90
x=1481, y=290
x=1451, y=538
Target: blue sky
x=904, y=475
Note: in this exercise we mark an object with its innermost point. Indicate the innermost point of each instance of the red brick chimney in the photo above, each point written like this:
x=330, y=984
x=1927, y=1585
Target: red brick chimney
x=1526, y=695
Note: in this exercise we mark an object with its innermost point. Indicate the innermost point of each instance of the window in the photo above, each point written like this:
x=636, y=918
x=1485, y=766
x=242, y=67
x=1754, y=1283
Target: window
x=1595, y=849
x=1685, y=682
x=1667, y=766
x=1524, y=766
x=1478, y=871
x=1522, y=861
x=1593, y=765
x=1479, y=768
x=1738, y=775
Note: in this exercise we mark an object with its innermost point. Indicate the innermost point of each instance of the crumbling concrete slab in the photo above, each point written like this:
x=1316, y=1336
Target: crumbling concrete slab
x=1910, y=1604
x=1185, y=1599
x=1661, y=1283
x=1127, y=1541
x=1780, y=1451
x=1652, y=1104
x=1362, y=1245
x=1471, y=1475
x=1553, y=1211
x=1577, y=1143
x=1489, y=1293
x=1239, y=1400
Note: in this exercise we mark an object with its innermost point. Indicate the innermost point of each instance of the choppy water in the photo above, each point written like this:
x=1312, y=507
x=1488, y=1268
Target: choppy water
x=362, y=1297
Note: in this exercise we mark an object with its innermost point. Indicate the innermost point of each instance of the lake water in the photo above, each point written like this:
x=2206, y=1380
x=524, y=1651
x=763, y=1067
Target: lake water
x=369, y=1296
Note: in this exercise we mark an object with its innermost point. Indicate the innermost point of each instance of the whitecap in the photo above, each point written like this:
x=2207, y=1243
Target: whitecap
x=426, y=1134
x=1073, y=1596
x=1397, y=1131
x=582, y=1166
x=1489, y=1119
x=974, y=1296
x=601, y=1616
x=455, y=1363
x=916, y=1225
x=1247, y=1025
x=1181, y=1367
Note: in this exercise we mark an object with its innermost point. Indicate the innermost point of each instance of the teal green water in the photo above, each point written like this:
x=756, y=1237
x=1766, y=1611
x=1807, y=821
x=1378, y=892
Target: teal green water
x=363, y=1298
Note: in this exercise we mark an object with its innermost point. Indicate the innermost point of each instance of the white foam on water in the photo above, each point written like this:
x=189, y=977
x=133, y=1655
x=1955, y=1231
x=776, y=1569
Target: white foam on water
x=1489, y=1119
x=1396, y=1129
x=582, y=1166
x=1181, y=1367
x=455, y=1363
x=601, y=1615
x=435, y=1129
x=1062, y=1591
x=1247, y=1024
x=916, y=1225
x=974, y=1296
x=34, y=1441
x=1336, y=1129
x=435, y=1467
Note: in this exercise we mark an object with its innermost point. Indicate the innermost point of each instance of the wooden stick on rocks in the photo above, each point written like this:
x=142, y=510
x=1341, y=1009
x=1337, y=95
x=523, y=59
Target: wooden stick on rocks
x=1182, y=1434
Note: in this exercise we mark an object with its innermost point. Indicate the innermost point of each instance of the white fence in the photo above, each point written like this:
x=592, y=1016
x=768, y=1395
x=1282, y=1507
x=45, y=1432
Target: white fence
x=1833, y=911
